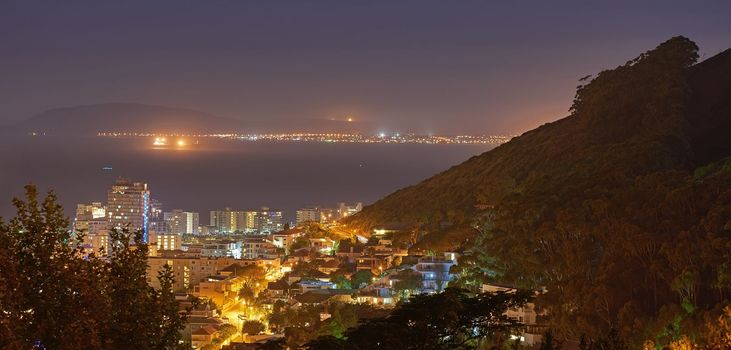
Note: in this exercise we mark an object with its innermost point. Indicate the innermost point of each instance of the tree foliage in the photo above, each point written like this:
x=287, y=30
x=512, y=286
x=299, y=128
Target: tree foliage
x=54, y=296
x=361, y=278
x=407, y=281
x=628, y=241
x=303, y=324
x=227, y=330
x=340, y=281
x=454, y=319
x=252, y=327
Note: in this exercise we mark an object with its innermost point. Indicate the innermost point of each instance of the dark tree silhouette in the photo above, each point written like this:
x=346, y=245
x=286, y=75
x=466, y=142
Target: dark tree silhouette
x=454, y=319
x=54, y=296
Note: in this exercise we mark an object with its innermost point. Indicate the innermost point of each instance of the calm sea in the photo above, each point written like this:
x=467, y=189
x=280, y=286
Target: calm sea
x=220, y=173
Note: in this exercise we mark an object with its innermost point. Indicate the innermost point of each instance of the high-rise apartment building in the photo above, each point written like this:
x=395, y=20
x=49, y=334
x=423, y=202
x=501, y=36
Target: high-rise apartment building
x=311, y=214
x=181, y=222
x=247, y=221
x=225, y=221
x=90, y=218
x=128, y=205
x=269, y=221
x=157, y=218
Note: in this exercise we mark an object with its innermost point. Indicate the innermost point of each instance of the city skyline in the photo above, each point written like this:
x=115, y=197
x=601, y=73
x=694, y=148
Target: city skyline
x=132, y=202
x=329, y=175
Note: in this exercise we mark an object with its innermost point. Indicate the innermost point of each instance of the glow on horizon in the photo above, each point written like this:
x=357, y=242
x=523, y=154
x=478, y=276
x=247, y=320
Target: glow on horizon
x=160, y=141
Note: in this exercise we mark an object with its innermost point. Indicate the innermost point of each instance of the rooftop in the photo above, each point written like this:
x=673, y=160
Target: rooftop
x=321, y=295
x=205, y=330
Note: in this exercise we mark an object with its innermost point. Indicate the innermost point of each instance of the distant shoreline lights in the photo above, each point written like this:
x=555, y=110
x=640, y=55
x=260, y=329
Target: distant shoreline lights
x=161, y=139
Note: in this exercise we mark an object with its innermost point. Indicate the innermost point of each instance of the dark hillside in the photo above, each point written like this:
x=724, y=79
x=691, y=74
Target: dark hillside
x=710, y=107
x=620, y=212
x=637, y=130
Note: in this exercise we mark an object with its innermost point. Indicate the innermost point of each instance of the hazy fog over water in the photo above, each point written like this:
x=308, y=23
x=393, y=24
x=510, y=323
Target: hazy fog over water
x=219, y=173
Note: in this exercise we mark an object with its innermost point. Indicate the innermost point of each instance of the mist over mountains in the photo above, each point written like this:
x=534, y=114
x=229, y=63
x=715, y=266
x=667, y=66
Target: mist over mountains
x=131, y=117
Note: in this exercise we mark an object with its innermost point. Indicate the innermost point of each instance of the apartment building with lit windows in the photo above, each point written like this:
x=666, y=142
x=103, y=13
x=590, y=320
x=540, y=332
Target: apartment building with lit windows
x=128, y=206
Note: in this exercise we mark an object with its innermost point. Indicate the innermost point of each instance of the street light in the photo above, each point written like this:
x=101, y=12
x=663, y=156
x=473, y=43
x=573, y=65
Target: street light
x=241, y=318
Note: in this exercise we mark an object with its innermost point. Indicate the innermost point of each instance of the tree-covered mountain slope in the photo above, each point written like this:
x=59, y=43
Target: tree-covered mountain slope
x=620, y=213
x=656, y=112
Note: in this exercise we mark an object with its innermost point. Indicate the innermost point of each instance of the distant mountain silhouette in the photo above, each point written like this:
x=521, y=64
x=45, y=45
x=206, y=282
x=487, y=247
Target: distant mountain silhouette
x=128, y=117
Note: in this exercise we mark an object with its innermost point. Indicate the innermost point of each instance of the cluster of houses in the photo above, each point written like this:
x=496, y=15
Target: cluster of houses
x=299, y=270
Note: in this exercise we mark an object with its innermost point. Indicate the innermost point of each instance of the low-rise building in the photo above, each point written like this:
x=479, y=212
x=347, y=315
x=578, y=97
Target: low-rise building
x=187, y=270
x=350, y=253
x=97, y=243
x=203, y=336
x=380, y=296
x=375, y=263
x=222, y=290
x=526, y=315
x=258, y=247
x=322, y=245
x=164, y=241
x=284, y=239
x=278, y=289
x=434, y=272
x=314, y=276
x=222, y=248
x=329, y=266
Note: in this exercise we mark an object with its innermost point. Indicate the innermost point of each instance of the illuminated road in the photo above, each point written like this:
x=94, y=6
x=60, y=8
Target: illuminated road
x=231, y=315
x=239, y=312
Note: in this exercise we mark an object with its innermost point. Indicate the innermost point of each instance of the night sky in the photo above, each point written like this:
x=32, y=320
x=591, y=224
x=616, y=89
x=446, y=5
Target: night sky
x=426, y=66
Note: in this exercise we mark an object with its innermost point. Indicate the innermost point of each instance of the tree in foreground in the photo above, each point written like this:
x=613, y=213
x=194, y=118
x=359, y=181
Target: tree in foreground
x=54, y=296
x=361, y=279
x=227, y=330
x=454, y=319
x=407, y=282
x=252, y=327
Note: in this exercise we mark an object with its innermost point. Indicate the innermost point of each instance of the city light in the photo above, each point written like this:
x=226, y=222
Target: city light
x=160, y=140
x=335, y=177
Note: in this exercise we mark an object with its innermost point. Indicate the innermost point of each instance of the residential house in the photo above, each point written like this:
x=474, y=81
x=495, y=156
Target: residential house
x=434, y=272
x=203, y=336
x=323, y=245
x=526, y=315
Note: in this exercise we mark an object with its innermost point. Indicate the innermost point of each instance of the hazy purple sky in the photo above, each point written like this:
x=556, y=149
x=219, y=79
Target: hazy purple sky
x=438, y=66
